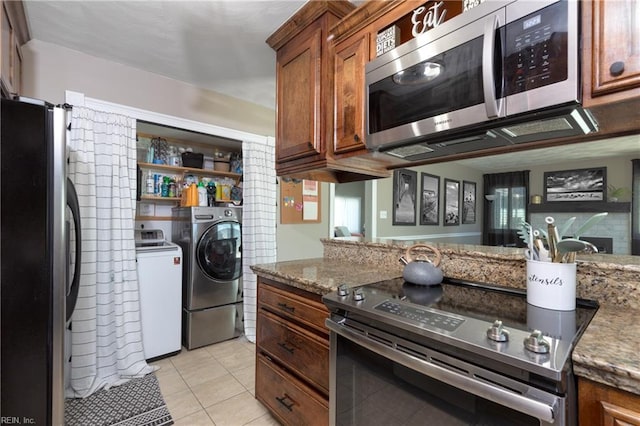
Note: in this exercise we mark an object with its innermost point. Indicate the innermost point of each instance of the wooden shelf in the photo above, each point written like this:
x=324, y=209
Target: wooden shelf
x=163, y=218
x=155, y=198
x=580, y=207
x=177, y=169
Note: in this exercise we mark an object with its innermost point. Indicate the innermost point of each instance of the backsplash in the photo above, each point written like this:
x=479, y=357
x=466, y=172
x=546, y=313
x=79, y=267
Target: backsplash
x=616, y=226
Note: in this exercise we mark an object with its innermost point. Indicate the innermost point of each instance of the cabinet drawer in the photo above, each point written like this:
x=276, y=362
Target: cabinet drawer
x=295, y=307
x=298, y=349
x=288, y=399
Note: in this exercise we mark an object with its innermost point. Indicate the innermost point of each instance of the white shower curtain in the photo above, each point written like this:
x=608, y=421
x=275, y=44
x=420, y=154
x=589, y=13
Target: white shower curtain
x=258, y=221
x=106, y=339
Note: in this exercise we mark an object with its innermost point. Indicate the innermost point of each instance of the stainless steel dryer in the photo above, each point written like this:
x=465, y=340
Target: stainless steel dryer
x=211, y=241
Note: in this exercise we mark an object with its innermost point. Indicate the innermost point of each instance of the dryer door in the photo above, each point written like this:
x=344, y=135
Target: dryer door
x=219, y=251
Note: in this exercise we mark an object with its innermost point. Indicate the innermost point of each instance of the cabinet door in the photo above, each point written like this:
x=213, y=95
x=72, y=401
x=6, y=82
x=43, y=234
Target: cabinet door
x=350, y=59
x=298, y=73
x=601, y=405
x=289, y=400
x=616, y=46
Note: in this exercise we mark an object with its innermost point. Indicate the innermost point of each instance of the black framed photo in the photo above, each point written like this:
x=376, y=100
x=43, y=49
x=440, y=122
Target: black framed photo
x=404, y=197
x=451, y=202
x=429, y=199
x=468, y=202
x=576, y=185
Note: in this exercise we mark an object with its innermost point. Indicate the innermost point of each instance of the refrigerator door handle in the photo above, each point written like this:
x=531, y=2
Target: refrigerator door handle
x=74, y=285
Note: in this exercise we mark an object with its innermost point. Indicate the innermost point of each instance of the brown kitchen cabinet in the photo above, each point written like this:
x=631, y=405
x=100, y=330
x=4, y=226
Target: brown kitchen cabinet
x=292, y=354
x=305, y=99
x=601, y=405
x=612, y=51
x=13, y=34
x=349, y=60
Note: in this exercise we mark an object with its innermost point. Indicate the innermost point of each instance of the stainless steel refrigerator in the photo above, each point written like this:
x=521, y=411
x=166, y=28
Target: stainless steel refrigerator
x=40, y=218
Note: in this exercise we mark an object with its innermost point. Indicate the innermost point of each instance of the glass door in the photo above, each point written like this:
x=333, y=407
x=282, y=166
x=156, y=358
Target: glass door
x=219, y=251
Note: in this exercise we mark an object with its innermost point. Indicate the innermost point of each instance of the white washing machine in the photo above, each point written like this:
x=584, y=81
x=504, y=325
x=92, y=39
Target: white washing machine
x=160, y=279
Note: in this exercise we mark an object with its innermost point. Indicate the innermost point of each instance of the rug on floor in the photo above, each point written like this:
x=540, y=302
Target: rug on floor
x=136, y=403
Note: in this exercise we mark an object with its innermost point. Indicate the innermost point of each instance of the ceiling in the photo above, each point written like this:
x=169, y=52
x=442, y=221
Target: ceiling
x=220, y=45
x=217, y=45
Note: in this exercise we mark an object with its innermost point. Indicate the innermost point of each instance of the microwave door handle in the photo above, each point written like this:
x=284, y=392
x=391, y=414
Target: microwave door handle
x=493, y=106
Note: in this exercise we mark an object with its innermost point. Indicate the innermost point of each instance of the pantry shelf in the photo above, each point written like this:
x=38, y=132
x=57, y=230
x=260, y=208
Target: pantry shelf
x=188, y=170
x=156, y=198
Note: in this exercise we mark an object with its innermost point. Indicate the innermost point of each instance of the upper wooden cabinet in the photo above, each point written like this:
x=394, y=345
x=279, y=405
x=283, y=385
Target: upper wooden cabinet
x=350, y=58
x=13, y=34
x=612, y=51
x=305, y=98
x=299, y=96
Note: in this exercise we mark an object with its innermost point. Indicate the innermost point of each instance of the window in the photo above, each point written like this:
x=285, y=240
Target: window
x=503, y=215
x=347, y=213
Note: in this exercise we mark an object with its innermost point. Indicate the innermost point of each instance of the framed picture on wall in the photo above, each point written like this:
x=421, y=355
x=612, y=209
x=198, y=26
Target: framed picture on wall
x=404, y=197
x=429, y=199
x=451, y=202
x=576, y=185
x=468, y=202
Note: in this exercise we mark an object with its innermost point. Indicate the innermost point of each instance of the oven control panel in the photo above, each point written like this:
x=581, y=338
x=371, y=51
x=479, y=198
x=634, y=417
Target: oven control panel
x=422, y=316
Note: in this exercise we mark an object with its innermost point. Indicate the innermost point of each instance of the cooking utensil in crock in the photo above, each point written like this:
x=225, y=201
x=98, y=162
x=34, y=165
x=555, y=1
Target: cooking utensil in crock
x=420, y=270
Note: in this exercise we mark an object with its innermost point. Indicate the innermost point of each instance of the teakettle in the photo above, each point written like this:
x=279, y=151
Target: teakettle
x=421, y=270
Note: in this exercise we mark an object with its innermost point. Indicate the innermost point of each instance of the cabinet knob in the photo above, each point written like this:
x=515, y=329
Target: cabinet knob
x=616, y=68
x=356, y=138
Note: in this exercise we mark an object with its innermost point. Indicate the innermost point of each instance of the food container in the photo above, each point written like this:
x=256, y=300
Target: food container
x=221, y=165
x=208, y=163
x=192, y=159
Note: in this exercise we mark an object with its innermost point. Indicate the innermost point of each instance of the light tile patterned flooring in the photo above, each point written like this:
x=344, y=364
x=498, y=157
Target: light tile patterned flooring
x=213, y=385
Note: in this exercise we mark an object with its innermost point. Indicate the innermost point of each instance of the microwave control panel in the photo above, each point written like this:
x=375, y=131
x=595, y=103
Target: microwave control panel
x=536, y=49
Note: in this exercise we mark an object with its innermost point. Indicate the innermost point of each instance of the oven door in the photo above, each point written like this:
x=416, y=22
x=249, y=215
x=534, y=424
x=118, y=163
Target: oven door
x=377, y=378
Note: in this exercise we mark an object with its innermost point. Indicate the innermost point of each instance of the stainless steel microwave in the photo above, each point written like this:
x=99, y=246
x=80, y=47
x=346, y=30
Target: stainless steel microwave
x=501, y=73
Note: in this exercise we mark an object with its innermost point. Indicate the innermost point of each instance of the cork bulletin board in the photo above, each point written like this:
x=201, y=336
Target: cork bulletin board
x=299, y=201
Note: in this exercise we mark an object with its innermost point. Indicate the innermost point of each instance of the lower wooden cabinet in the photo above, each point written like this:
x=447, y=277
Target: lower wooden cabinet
x=292, y=354
x=606, y=406
x=287, y=397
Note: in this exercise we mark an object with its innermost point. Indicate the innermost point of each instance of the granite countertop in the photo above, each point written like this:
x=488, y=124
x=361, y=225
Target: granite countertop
x=609, y=350
x=322, y=275
x=598, y=356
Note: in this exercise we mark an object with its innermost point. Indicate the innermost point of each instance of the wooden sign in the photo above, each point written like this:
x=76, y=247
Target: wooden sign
x=427, y=17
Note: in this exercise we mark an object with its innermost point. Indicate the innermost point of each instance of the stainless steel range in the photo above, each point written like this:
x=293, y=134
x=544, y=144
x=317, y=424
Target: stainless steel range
x=459, y=353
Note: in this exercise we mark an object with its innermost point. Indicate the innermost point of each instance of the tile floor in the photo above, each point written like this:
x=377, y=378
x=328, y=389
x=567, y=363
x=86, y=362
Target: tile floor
x=213, y=385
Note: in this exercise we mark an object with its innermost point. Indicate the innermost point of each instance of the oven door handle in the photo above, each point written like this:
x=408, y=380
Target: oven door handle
x=504, y=397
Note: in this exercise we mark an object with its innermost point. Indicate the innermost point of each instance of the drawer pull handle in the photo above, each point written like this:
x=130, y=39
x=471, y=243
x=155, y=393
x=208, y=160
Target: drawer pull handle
x=282, y=400
x=286, y=307
x=286, y=348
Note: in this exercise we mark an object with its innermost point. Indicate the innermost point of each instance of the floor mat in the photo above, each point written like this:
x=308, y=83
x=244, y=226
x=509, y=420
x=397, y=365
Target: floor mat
x=136, y=403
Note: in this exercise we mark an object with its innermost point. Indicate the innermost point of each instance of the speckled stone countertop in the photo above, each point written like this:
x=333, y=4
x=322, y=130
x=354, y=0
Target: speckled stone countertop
x=609, y=350
x=322, y=275
x=614, y=281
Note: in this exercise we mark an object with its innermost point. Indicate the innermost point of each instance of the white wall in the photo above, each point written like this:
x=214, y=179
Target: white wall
x=49, y=70
x=303, y=241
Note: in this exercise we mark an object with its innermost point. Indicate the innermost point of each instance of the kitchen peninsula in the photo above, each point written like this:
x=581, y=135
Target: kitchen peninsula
x=613, y=281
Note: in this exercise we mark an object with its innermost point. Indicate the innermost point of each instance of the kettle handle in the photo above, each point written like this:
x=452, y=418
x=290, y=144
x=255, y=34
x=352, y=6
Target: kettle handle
x=436, y=261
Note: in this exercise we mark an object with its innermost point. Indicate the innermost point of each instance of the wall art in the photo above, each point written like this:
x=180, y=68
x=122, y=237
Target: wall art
x=451, y=202
x=468, y=202
x=576, y=185
x=404, y=197
x=429, y=199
